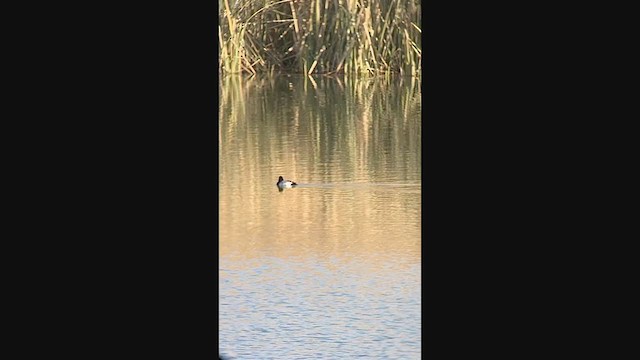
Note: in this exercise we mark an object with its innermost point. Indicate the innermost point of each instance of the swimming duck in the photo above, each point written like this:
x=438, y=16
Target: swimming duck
x=282, y=183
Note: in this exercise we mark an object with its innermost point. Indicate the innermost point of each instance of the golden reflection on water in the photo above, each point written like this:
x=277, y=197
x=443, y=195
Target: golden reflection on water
x=317, y=222
x=358, y=147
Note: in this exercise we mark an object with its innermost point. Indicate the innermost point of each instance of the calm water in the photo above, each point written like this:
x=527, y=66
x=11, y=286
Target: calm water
x=330, y=269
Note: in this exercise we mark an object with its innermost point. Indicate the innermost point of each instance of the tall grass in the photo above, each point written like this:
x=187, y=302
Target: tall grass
x=320, y=36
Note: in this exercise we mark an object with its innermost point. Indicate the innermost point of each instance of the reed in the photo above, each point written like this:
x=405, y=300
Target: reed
x=320, y=36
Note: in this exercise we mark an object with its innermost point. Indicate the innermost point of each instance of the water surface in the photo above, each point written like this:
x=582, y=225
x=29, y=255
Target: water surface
x=331, y=268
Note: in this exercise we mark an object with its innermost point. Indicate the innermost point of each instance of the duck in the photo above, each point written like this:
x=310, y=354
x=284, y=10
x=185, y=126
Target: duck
x=282, y=183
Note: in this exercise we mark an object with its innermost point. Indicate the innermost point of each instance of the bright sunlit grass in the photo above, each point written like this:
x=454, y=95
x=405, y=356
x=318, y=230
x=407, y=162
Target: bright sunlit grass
x=320, y=36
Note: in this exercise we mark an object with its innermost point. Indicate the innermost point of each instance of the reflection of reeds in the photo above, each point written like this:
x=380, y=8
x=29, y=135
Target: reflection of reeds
x=351, y=130
x=325, y=117
x=338, y=130
x=320, y=36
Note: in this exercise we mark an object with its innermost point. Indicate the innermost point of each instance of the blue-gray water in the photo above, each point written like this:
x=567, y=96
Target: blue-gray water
x=330, y=269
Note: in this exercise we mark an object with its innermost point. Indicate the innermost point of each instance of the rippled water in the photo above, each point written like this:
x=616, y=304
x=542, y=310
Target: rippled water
x=330, y=269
